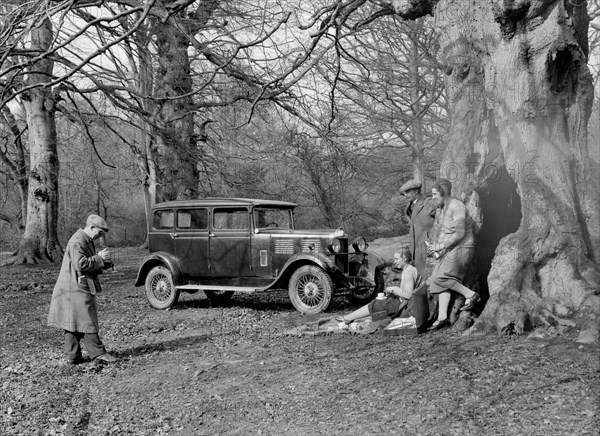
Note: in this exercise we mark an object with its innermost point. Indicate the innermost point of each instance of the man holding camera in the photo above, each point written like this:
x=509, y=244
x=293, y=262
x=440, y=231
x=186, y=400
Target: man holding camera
x=73, y=305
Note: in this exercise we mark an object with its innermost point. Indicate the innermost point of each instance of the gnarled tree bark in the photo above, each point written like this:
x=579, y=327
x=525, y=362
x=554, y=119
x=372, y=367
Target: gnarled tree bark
x=177, y=172
x=521, y=94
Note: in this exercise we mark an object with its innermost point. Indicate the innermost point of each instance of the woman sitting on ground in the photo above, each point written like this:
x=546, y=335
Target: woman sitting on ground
x=396, y=296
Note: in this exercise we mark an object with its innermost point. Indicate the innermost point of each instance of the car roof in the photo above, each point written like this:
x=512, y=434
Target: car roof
x=221, y=201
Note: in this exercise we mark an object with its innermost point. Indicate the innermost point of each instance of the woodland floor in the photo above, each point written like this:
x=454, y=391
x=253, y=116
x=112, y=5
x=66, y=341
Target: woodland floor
x=197, y=369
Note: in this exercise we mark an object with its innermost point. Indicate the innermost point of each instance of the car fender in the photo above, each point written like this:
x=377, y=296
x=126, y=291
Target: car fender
x=374, y=259
x=156, y=259
x=326, y=263
x=365, y=267
x=376, y=263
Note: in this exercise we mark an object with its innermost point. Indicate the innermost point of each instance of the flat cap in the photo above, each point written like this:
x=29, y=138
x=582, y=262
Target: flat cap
x=411, y=184
x=97, y=221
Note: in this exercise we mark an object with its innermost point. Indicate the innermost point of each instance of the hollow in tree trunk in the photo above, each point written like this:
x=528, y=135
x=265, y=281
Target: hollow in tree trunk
x=520, y=94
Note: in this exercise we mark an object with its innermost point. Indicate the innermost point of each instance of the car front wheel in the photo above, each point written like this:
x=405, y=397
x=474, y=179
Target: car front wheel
x=362, y=295
x=310, y=289
x=160, y=290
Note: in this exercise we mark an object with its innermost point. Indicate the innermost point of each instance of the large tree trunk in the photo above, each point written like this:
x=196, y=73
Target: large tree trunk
x=521, y=94
x=177, y=173
x=40, y=241
x=177, y=168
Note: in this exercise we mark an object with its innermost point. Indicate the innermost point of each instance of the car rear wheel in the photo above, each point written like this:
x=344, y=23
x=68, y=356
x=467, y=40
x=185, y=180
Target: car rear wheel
x=310, y=289
x=160, y=290
x=219, y=297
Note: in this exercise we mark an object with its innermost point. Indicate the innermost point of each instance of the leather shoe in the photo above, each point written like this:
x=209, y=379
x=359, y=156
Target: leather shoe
x=439, y=325
x=471, y=302
x=78, y=360
x=106, y=358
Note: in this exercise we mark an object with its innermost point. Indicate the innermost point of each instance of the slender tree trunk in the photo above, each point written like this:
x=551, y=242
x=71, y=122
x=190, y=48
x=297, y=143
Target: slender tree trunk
x=146, y=162
x=520, y=95
x=40, y=241
x=415, y=95
x=146, y=153
x=15, y=160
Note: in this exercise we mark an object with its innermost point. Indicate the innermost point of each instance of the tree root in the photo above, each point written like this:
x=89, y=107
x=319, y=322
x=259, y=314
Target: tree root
x=24, y=259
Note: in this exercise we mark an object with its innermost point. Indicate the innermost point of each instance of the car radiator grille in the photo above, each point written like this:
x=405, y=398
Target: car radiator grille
x=284, y=246
x=287, y=246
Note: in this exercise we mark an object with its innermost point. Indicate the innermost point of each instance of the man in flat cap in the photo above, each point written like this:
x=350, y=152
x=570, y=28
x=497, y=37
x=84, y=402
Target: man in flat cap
x=421, y=216
x=73, y=305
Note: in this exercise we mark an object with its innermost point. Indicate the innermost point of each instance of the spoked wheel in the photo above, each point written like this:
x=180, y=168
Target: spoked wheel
x=310, y=289
x=362, y=294
x=160, y=290
x=218, y=297
x=369, y=265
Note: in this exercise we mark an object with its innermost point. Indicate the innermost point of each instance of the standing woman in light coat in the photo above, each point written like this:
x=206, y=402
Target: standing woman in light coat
x=454, y=247
x=73, y=305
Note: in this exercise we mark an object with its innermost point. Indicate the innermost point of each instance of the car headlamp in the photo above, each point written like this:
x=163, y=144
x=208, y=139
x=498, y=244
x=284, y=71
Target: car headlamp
x=335, y=246
x=360, y=244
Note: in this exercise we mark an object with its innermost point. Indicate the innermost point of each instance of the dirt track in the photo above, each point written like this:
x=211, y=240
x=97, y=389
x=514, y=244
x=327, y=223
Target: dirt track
x=202, y=370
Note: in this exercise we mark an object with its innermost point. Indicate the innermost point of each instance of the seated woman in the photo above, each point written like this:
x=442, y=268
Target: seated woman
x=396, y=296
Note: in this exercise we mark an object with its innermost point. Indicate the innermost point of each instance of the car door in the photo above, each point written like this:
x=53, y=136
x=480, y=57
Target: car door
x=192, y=241
x=230, y=242
x=163, y=227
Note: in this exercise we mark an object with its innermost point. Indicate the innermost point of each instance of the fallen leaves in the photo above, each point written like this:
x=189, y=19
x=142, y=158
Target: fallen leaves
x=203, y=370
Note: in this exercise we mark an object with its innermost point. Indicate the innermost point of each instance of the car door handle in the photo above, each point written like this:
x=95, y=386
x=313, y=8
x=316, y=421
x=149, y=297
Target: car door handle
x=173, y=235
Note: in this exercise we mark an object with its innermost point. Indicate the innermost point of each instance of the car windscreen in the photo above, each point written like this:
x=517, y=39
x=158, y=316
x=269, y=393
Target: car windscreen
x=265, y=218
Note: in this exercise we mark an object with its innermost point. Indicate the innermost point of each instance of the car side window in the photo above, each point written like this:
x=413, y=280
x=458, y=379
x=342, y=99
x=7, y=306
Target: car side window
x=231, y=219
x=193, y=219
x=164, y=219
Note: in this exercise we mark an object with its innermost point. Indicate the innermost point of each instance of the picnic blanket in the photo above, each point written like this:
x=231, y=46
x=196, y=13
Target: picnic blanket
x=376, y=322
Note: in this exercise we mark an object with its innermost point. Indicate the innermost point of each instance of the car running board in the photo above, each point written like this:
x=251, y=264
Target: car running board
x=248, y=290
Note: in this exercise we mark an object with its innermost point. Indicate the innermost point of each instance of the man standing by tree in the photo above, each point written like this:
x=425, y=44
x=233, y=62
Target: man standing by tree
x=73, y=305
x=421, y=215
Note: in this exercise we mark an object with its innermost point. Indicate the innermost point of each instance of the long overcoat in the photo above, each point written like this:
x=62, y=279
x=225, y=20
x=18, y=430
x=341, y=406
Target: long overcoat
x=73, y=305
x=421, y=217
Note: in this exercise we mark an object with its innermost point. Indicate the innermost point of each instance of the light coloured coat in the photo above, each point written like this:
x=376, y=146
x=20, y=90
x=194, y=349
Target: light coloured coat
x=73, y=305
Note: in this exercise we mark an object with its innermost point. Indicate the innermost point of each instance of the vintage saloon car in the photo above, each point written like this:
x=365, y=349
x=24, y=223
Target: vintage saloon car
x=227, y=245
